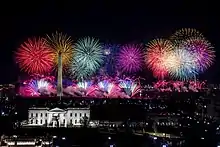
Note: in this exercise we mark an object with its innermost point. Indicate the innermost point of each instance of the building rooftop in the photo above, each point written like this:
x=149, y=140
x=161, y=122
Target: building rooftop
x=56, y=109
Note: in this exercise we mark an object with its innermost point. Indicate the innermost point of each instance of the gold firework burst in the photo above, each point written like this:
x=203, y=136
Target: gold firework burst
x=61, y=44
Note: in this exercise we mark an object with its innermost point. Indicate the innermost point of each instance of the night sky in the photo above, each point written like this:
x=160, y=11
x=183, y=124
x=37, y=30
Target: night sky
x=124, y=22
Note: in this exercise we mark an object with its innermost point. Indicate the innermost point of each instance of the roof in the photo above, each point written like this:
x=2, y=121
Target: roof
x=57, y=110
x=36, y=108
x=78, y=108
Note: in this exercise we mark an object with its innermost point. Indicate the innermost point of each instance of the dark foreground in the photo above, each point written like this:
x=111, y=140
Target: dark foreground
x=85, y=137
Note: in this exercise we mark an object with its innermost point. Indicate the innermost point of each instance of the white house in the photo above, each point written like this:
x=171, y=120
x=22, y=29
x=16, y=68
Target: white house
x=57, y=117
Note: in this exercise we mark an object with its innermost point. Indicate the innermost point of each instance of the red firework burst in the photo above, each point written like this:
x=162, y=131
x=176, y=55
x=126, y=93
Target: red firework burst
x=34, y=56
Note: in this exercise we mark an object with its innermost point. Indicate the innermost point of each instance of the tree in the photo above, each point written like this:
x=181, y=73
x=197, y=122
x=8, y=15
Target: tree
x=84, y=121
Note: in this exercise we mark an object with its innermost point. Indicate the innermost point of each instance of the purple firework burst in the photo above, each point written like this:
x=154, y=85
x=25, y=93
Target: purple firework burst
x=202, y=50
x=130, y=58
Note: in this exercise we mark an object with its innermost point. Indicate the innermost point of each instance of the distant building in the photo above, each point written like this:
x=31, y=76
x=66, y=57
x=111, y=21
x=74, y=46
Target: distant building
x=70, y=117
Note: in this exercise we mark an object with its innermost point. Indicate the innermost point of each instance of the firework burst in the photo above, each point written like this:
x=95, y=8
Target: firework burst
x=61, y=44
x=130, y=58
x=185, y=34
x=156, y=56
x=202, y=50
x=35, y=57
x=88, y=58
x=181, y=64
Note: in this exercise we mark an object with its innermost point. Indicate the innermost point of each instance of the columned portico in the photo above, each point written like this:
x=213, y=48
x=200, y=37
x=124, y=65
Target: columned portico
x=57, y=117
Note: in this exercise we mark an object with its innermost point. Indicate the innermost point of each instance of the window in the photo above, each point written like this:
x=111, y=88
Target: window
x=36, y=121
x=71, y=114
x=75, y=121
x=41, y=115
x=71, y=121
x=32, y=114
x=80, y=114
x=36, y=114
x=31, y=121
x=41, y=121
x=45, y=114
x=85, y=114
x=64, y=121
x=45, y=121
x=75, y=114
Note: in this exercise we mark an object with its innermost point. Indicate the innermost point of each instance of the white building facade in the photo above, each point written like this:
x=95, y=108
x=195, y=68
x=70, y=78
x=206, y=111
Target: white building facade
x=70, y=117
